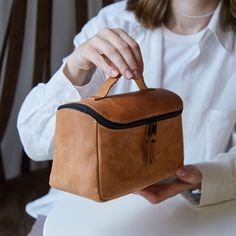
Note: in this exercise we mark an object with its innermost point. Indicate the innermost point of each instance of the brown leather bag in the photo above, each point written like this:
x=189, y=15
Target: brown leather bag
x=109, y=146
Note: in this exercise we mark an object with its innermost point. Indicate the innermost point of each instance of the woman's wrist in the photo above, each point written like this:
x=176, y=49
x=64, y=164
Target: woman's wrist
x=193, y=196
x=77, y=76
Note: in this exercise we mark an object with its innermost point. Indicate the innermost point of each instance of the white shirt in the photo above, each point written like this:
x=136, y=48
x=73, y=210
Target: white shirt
x=208, y=85
x=181, y=48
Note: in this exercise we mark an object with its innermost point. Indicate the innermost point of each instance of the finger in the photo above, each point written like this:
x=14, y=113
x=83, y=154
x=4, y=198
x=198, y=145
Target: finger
x=122, y=47
x=148, y=195
x=133, y=46
x=190, y=174
x=113, y=55
x=170, y=190
x=108, y=61
x=97, y=59
x=162, y=192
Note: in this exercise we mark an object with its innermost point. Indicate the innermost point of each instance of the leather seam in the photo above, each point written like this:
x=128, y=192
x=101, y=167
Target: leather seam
x=92, y=118
x=98, y=165
x=133, y=119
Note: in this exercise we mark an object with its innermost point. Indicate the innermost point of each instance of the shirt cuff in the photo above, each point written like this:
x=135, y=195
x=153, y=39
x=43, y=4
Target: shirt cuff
x=94, y=83
x=218, y=182
x=60, y=87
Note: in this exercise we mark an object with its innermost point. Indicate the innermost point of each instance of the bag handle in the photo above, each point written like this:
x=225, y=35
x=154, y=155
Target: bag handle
x=107, y=85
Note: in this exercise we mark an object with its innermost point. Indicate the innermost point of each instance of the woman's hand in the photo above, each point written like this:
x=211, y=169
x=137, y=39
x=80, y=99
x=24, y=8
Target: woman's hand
x=187, y=178
x=111, y=50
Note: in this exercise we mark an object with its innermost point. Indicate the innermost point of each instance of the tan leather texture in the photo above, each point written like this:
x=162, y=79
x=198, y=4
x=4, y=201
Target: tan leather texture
x=134, y=106
x=102, y=163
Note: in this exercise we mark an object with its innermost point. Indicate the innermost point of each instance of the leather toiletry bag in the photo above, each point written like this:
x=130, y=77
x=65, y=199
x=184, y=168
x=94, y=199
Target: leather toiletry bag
x=109, y=146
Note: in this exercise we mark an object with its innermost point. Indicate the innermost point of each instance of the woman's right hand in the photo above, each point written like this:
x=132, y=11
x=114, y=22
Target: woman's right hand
x=111, y=50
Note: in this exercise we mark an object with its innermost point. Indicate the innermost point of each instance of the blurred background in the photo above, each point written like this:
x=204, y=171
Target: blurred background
x=35, y=35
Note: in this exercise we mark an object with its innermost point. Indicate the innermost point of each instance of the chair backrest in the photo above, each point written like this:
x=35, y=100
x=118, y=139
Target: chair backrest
x=107, y=2
x=10, y=57
x=42, y=58
x=82, y=12
x=11, y=53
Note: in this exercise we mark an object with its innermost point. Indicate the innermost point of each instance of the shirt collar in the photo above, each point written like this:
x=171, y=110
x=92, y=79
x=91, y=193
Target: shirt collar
x=224, y=37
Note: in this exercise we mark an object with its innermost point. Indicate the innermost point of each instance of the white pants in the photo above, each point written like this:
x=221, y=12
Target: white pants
x=37, y=228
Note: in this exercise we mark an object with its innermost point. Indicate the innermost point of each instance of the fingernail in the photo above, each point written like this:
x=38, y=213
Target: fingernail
x=129, y=74
x=136, y=74
x=114, y=73
x=180, y=173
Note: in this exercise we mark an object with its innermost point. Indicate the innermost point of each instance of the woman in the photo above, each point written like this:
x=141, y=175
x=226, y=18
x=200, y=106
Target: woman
x=187, y=46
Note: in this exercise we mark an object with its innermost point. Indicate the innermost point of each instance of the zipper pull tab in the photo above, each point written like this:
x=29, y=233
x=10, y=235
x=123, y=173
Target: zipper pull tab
x=151, y=138
x=149, y=152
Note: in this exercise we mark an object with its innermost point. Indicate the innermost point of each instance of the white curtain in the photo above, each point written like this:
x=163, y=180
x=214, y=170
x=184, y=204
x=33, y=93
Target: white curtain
x=63, y=31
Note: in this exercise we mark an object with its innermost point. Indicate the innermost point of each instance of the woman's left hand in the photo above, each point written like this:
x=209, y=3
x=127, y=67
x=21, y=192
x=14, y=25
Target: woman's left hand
x=187, y=178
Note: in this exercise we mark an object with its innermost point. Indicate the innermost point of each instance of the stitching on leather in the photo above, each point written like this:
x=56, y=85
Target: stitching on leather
x=98, y=165
x=133, y=119
x=88, y=116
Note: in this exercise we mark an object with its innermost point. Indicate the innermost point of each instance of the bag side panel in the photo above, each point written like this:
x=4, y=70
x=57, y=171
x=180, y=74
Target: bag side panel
x=124, y=164
x=74, y=166
x=167, y=149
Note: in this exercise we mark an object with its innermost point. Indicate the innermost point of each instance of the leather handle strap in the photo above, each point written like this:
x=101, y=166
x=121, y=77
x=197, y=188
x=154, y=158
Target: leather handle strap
x=107, y=85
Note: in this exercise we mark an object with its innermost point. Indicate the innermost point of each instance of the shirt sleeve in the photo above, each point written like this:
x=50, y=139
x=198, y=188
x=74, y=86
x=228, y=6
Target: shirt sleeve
x=219, y=177
x=36, y=119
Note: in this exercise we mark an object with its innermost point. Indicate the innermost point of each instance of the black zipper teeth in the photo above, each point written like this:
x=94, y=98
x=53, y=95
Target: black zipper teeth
x=114, y=125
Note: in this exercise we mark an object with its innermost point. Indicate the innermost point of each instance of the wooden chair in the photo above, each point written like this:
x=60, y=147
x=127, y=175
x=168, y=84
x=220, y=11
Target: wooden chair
x=29, y=185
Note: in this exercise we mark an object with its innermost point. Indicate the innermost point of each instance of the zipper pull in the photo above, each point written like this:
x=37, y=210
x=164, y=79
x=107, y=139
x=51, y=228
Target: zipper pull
x=151, y=138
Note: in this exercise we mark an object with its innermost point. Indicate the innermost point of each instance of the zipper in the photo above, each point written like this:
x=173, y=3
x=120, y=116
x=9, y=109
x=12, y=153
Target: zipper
x=115, y=125
x=151, y=138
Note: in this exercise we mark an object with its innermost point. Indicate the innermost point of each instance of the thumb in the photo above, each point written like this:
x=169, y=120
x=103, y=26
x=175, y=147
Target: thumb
x=190, y=174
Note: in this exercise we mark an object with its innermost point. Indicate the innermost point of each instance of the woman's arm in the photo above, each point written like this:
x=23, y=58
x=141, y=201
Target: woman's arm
x=97, y=48
x=219, y=177
x=36, y=119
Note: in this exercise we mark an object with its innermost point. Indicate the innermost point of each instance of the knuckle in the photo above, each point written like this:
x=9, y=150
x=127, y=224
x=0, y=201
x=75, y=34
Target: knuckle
x=134, y=66
x=123, y=68
x=104, y=31
x=112, y=51
x=96, y=58
x=134, y=45
x=84, y=48
x=118, y=29
x=124, y=47
x=93, y=40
